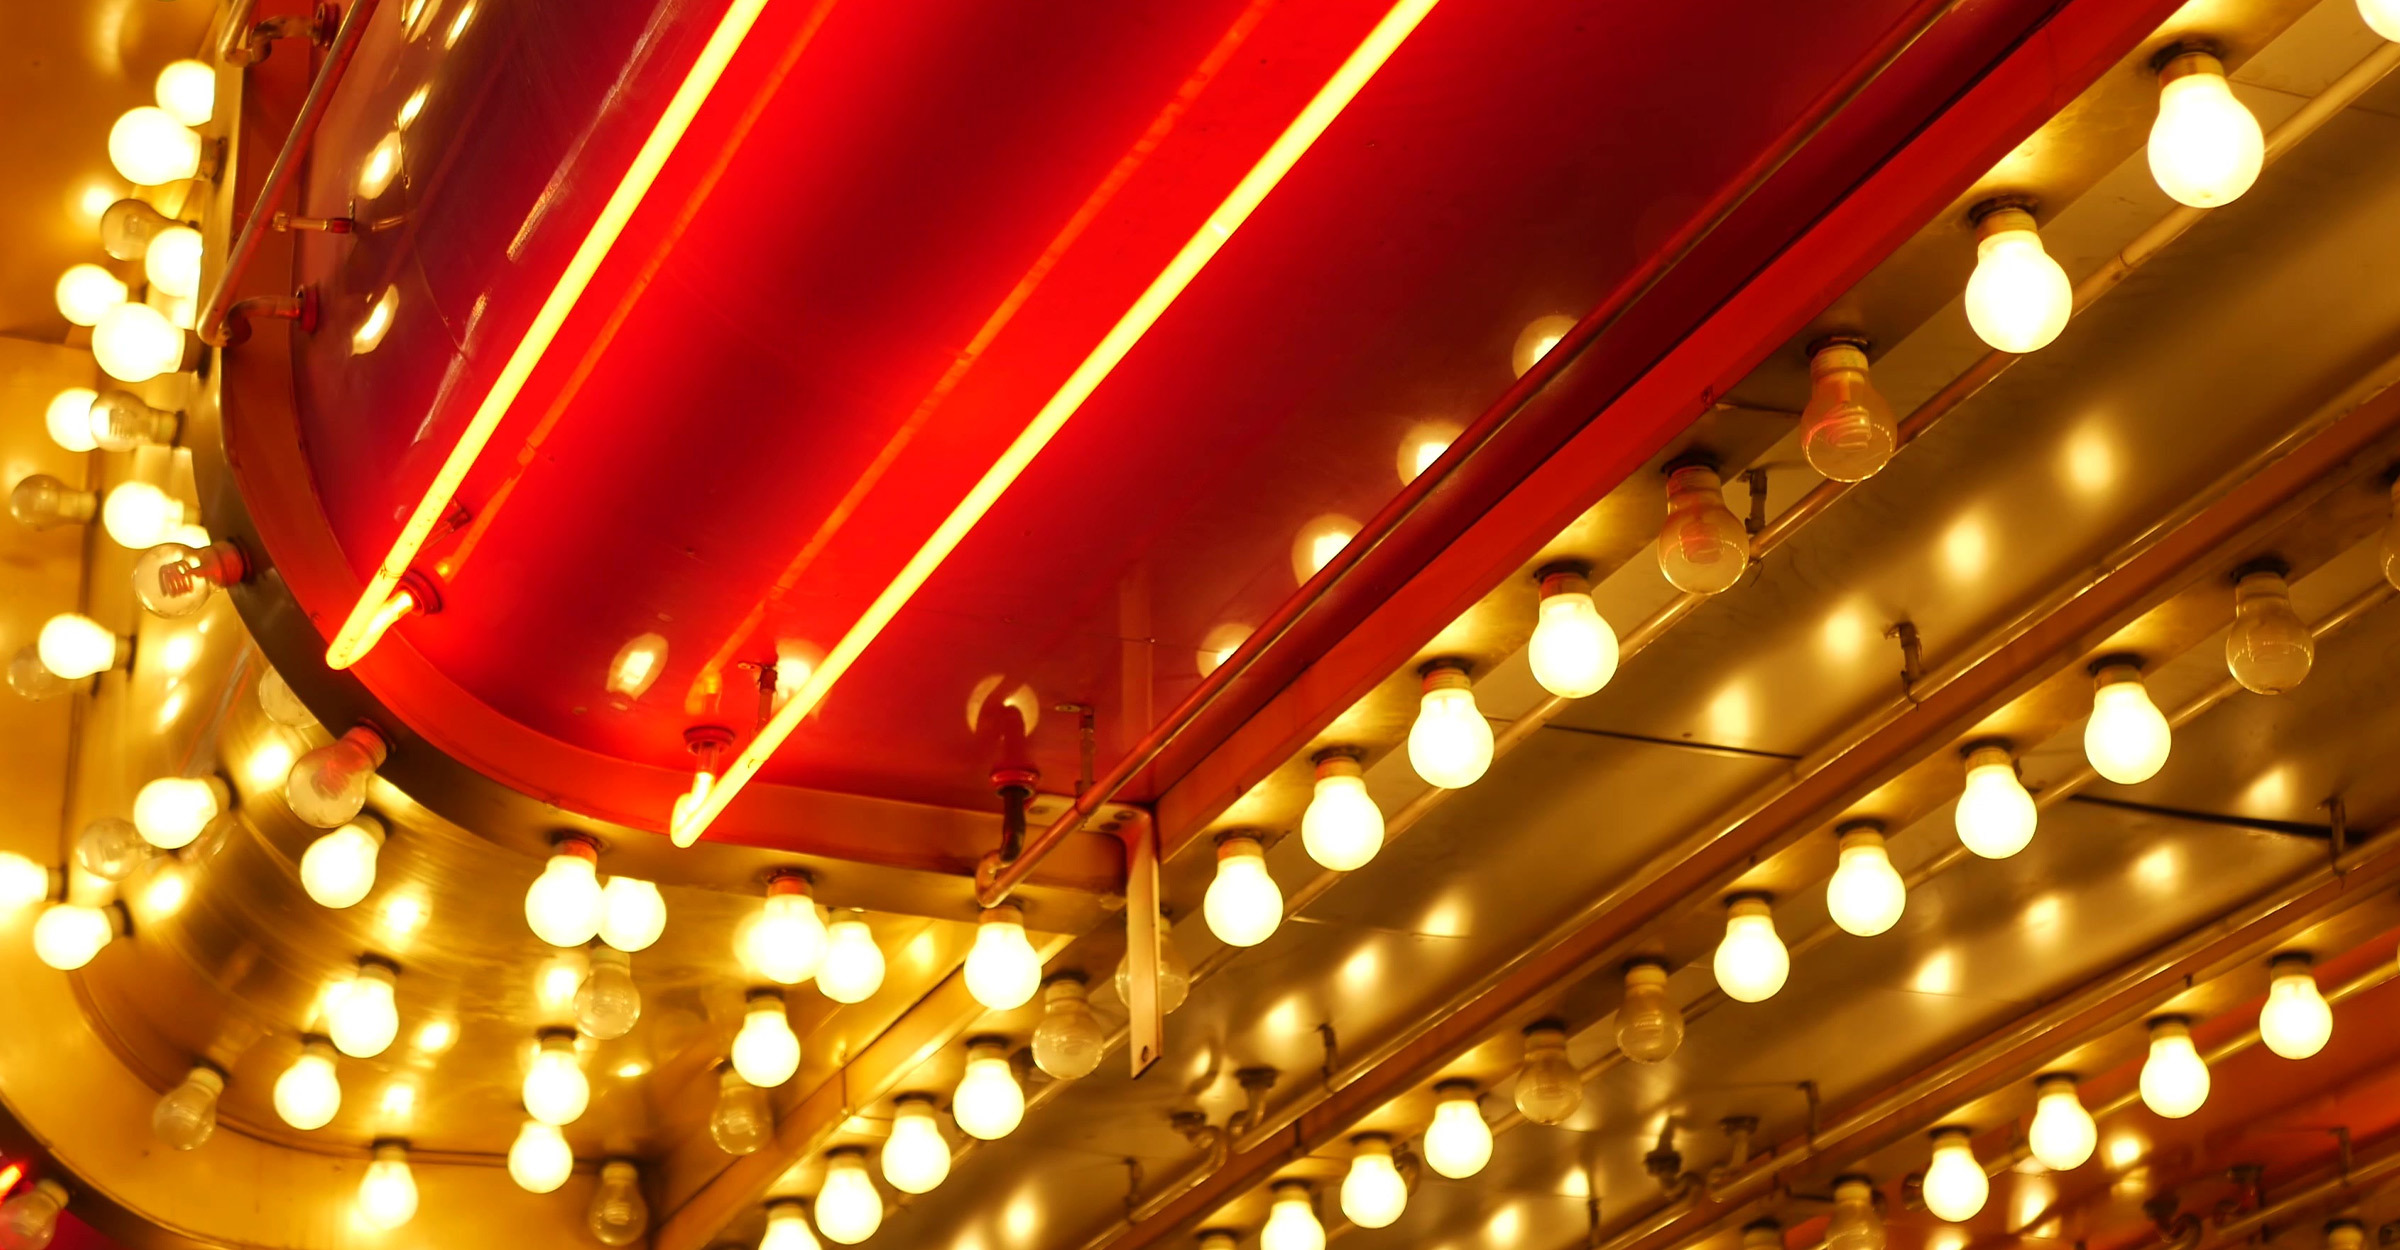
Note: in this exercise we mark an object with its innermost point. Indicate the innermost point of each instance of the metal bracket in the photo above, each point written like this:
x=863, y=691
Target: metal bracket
x=1086, y=722
x=1756, y=480
x=1146, y=1028
x=299, y=308
x=1133, y=1185
x=285, y=223
x=2337, y=822
x=1808, y=1090
x=1333, y=1051
x=1591, y=1228
x=247, y=42
x=1912, y=656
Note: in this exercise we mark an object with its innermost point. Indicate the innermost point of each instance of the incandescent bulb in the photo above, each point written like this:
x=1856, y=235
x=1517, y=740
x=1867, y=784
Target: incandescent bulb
x=2062, y=1134
x=120, y=421
x=563, y=906
x=1751, y=962
x=1549, y=1088
x=173, y=262
x=127, y=226
x=1373, y=1195
x=766, y=1051
x=1292, y=1220
x=173, y=581
x=22, y=883
x=1703, y=548
x=150, y=148
x=742, y=1121
x=1458, y=1142
x=1854, y=1224
x=76, y=646
x=1649, y=1024
x=110, y=849
x=1069, y=1042
x=170, y=812
x=338, y=869
x=1002, y=969
x=1866, y=895
x=365, y=1017
x=1342, y=827
x=787, y=1228
x=539, y=1160
x=328, y=787
x=1450, y=745
x=187, y=90
x=140, y=516
x=1955, y=1185
x=556, y=1090
x=69, y=417
x=786, y=943
x=69, y=935
x=1995, y=815
x=1573, y=652
x=85, y=293
x=39, y=501
x=275, y=698
x=32, y=680
x=848, y=1208
x=2382, y=17
x=308, y=1093
x=632, y=914
x=916, y=1157
x=30, y=1219
x=1847, y=431
x=2018, y=299
x=2296, y=1022
x=853, y=966
x=1243, y=905
x=2174, y=1077
x=387, y=1194
x=618, y=1216
x=2205, y=148
x=2269, y=648
x=186, y=1117
x=608, y=1003
x=134, y=342
x=1174, y=972
x=989, y=1103
x=2127, y=737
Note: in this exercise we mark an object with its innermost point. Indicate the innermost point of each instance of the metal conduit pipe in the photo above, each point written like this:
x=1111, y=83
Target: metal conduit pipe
x=2337, y=1185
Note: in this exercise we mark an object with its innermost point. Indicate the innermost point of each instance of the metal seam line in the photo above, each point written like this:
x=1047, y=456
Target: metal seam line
x=1205, y=243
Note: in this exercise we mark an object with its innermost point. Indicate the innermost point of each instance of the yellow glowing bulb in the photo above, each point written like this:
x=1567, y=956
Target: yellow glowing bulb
x=539, y=1161
x=556, y=1090
x=1955, y=1185
x=2062, y=1134
x=766, y=1052
x=916, y=1157
x=989, y=1104
x=2174, y=1078
x=1450, y=744
x=853, y=968
x=1573, y=652
x=787, y=1228
x=365, y=1016
x=1458, y=1143
x=75, y=646
x=387, y=1194
x=1342, y=827
x=1373, y=1194
x=564, y=906
x=86, y=292
x=1536, y=340
x=1292, y=1221
x=308, y=1093
x=1752, y=962
x=1866, y=895
x=69, y=418
x=173, y=262
x=69, y=935
x=338, y=869
x=150, y=148
x=2205, y=148
x=2018, y=299
x=848, y=1208
x=2296, y=1022
x=1995, y=816
x=187, y=90
x=1243, y=906
x=1003, y=971
x=786, y=942
x=170, y=812
x=135, y=343
x=2382, y=17
x=2127, y=737
x=633, y=914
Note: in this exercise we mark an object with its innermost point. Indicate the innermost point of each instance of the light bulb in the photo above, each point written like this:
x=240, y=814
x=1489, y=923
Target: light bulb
x=1536, y=339
x=608, y=1003
x=2062, y=1134
x=848, y=1208
x=2018, y=299
x=275, y=698
x=1174, y=972
x=110, y=848
x=22, y=883
x=916, y=1157
x=640, y=660
x=170, y=812
x=1866, y=895
x=1243, y=906
x=387, y=1194
x=174, y=581
x=2174, y=1077
x=173, y=262
x=1573, y=652
x=2382, y=17
x=1702, y=548
x=1765, y=1233
x=1373, y=1195
x=85, y=293
x=1995, y=816
x=134, y=342
x=32, y=680
x=786, y=942
x=1458, y=1142
x=563, y=906
x=187, y=90
x=632, y=914
x=1847, y=432
x=328, y=788
x=556, y=1090
x=75, y=646
x=741, y=1122
x=618, y=1216
x=1292, y=1220
x=2296, y=1022
x=1342, y=827
x=853, y=967
x=39, y=501
x=1450, y=745
x=365, y=1016
x=787, y=1228
x=539, y=1160
x=1069, y=1042
x=1002, y=969
x=150, y=148
x=308, y=1093
x=30, y=1219
x=139, y=516
x=2269, y=648
x=1751, y=962
x=1955, y=1185
x=1549, y=1088
x=766, y=1051
x=338, y=869
x=2205, y=148
x=1649, y=1023
x=69, y=418
x=186, y=1116
x=988, y=1103
x=1854, y=1224
x=2127, y=737
x=127, y=226
x=69, y=935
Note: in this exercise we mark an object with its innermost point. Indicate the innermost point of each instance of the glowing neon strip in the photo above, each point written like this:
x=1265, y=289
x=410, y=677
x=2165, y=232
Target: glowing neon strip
x=358, y=634
x=1203, y=246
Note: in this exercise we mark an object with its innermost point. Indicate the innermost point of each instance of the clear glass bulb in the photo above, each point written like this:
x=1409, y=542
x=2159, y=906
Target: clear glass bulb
x=69, y=935
x=1854, y=1224
x=170, y=582
x=1955, y=1185
x=2062, y=1134
x=186, y=1117
x=786, y=942
x=75, y=646
x=120, y=421
x=2205, y=148
x=1703, y=548
x=1573, y=652
x=134, y=342
x=32, y=680
x=308, y=1094
x=1847, y=432
x=127, y=226
x=1866, y=895
x=1373, y=1194
x=787, y=1228
x=39, y=501
x=338, y=869
x=2174, y=1077
x=172, y=262
x=1450, y=744
x=618, y=1215
x=766, y=1051
x=2127, y=737
x=853, y=967
x=556, y=1090
x=1069, y=1042
x=69, y=418
x=1002, y=969
x=2296, y=1021
x=85, y=294
x=1649, y=1023
x=30, y=1219
x=187, y=90
x=848, y=1208
x=1174, y=972
x=171, y=812
x=1752, y=962
x=1995, y=816
x=608, y=1003
x=1243, y=906
x=2269, y=649
x=22, y=883
x=742, y=1122
x=540, y=1160
x=110, y=848
x=365, y=1016
x=2018, y=299
x=633, y=914
x=1549, y=1088
x=150, y=148
x=275, y=698
x=2382, y=17
x=1342, y=828
x=1292, y=1221
x=387, y=1194
x=916, y=1158
x=328, y=786
x=563, y=906
x=988, y=1103
x=1458, y=1143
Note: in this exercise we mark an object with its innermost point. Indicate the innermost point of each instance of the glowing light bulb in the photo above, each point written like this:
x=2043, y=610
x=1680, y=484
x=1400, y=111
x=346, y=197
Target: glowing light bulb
x=2174, y=1077
x=110, y=848
x=69, y=935
x=607, y=1002
x=365, y=1016
x=786, y=942
x=1955, y=1185
x=1373, y=1195
x=1549, y=1088
x=1292, y=1220
x=1243, y=906
x=170, y=812
x=1573, y=652
x=766, y=1052
x=2127, y=737
x=1450, y=745
x=1866, y=895
x=556, y=1090
x=1703, y=548
x=1995, y=816
x=150, y=148
x=1002, y=969
x=539, y=1160
x=637, y=664
x=916, y=1158
x=173, y=581
x=134, y=342
x=1751, y=963
x=787, y=1228
x=2296, y=1022
x=308, y=1093
x=2062, y=1134
x=187, y=1116
x=1174, y=972
x=632, y=914
x=1069, y=1042
x=848, y=1208
x=69, y=418
x=173, y=262
x=989, y=1103
x=853, y=967
x=75, y=646
x=1649, y=1023
x=338, y=869
x=2269, y=649
x=1536, y=339
x=29, y=1219
x=85, y=293
x=128, y=225
x=1854, y=1224
x=387, y=1194
x=742, y=1121
x=563, y=906
x=2382, y=17
x=328, y=786
x=140, y=516
x=22, y=883
x=1342, y=827
x=2205, y=148
x=1458, y=1143
x=1847, y=432
x=618, y=1216
x=2018, y=299
x=187, y=90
